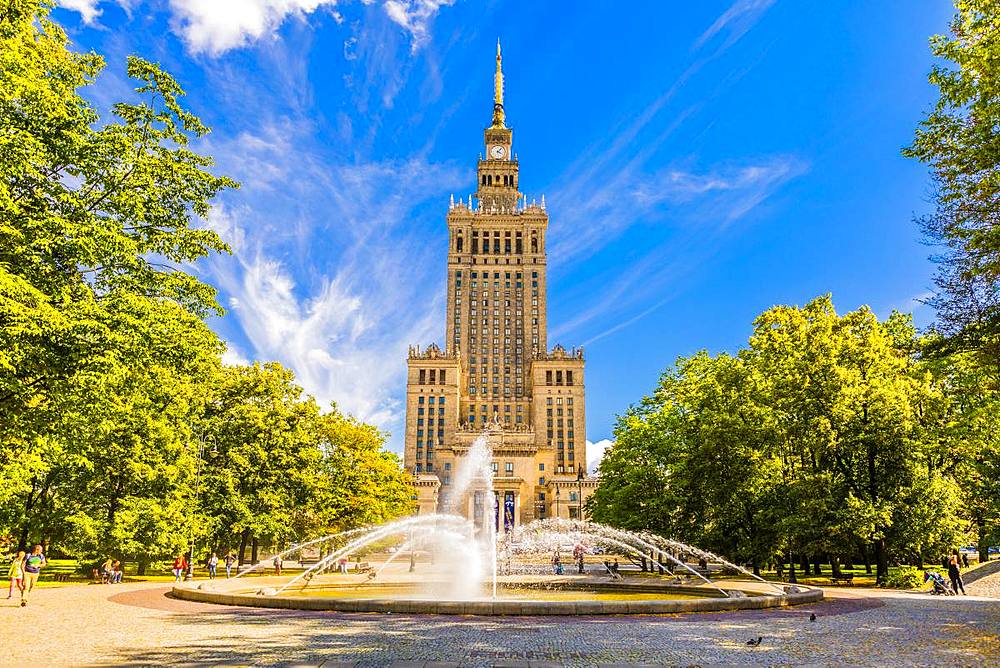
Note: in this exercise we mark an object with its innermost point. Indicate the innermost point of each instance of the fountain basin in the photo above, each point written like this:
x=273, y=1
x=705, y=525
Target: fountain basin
x=577, y=598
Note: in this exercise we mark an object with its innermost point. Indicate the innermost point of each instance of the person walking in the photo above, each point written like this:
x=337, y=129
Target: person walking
x=180, y=565
x=955, y=574
x=33, y=565
x=16, y=574
x=277, y=564
x=213, y=564
x=578, y=552
x=230, y=560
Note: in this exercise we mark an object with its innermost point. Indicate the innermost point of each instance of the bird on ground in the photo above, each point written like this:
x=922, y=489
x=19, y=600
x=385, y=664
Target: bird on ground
x=812, y=617
x=754, y=643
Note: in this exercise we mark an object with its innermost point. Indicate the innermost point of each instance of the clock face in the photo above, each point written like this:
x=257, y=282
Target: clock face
x=497, y=152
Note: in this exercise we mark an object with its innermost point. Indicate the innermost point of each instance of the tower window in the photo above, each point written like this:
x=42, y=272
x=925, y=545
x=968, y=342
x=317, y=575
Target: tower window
x=458, y=244
x=423, y=376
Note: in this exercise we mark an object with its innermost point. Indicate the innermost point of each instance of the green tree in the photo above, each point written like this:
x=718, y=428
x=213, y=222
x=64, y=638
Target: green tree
x=97, y=220
x=262, y=458
x=362, y=483
x=120, y=430
x=816, y=439
x=705, y=446
x=960, y=141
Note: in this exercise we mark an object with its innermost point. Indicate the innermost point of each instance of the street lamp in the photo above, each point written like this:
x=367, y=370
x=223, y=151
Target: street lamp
x=197, y=491
x=579, y=486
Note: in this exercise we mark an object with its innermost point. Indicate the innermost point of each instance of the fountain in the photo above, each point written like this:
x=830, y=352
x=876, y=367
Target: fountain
x=459, y=570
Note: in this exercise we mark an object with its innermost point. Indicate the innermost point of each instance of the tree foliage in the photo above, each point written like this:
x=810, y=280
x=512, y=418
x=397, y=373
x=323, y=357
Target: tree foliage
x=829, y=435
x=110, y=380
x=960, y=141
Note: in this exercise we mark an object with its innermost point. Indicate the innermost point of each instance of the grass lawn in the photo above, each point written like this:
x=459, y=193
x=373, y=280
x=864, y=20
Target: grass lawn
x=63, y=572
x=861, y=577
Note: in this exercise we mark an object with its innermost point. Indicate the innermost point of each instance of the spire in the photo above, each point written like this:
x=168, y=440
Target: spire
x=498, y=115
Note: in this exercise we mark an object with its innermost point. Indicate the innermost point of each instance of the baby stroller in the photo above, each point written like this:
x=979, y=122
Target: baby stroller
x=940, y=585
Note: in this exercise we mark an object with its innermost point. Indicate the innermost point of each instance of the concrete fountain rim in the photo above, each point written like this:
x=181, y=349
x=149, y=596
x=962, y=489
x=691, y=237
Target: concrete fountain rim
x=217, y=592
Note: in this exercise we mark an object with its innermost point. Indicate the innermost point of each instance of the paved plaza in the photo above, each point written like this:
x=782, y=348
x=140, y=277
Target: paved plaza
x=138, y=624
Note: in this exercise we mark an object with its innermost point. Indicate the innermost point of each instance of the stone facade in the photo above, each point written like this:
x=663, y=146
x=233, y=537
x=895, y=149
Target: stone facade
x=496, y=367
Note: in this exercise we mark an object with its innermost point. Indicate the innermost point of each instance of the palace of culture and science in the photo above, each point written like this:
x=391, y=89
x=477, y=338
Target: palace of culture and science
x=496, y=368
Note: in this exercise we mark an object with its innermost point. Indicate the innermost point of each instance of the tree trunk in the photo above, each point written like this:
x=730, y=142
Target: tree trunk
x=244, y=537
x=804, y=564
x=984, y=550
x=253, y=550
x=756, y=567
x=867, y=559
x=22, y=540
x=659, y=563
x=881, y=562
x=141, y=569
x=791, y=569
x=835, y=566
x=817, y=567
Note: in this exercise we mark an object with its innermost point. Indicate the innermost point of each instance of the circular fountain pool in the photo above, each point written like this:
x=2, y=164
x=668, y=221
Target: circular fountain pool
x=584, y=599
x=445, y=563
x=440, y=564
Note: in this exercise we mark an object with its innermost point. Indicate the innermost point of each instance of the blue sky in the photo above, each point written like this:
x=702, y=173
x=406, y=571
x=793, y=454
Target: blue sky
x=701, y=162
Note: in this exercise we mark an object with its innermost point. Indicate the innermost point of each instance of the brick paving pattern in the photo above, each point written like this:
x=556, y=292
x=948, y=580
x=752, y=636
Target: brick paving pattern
x=136, y=624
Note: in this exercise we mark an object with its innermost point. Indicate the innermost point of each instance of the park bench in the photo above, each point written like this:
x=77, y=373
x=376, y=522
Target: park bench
x=362, y=567
x=845, y=578
x=62, y=577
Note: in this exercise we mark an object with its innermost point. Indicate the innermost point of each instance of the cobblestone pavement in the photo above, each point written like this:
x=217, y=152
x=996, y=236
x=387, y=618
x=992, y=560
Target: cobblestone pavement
x=137, y=624
x=987, y=586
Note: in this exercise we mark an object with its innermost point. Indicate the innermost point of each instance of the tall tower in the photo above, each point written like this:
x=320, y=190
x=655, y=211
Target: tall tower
x=496, y=366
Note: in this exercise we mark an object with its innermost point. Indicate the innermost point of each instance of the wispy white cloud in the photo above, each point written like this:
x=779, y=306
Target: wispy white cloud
x=415, y=16
x=717, y=196
x=213, y=27
x=916, y=305
x=220, y=25
x=595, y=453
x=611, y=189
x=339, y=312
x=338, y=339
x=696, y=207
x=233, y=356
x=88, y=9
x=735, y=22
